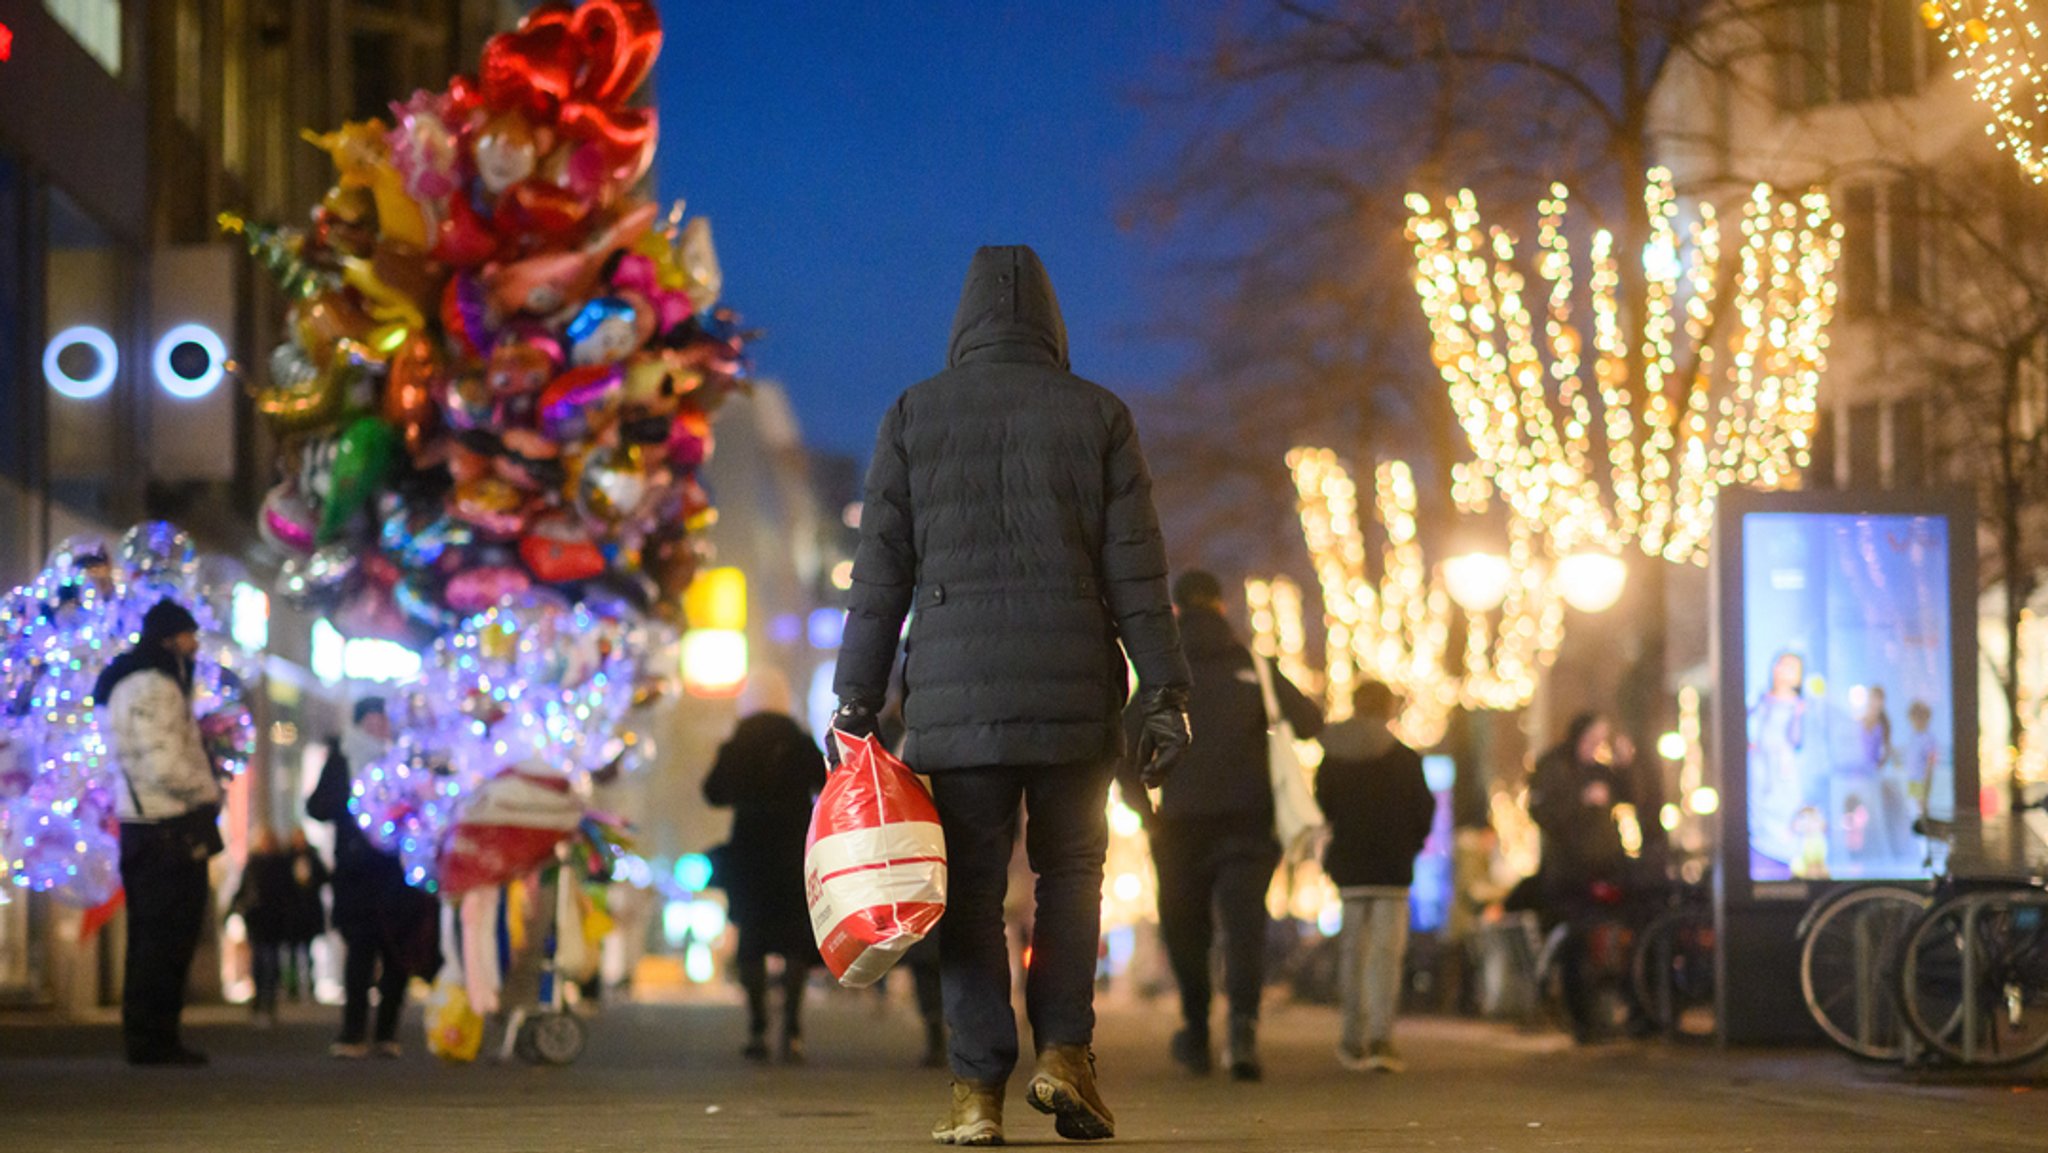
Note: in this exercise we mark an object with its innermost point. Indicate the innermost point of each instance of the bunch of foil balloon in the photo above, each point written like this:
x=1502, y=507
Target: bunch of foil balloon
x=491, y=410
x=502, y=361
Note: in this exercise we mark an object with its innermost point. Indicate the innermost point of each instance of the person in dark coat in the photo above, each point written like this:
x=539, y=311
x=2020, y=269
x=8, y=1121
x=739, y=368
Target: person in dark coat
x=1585, y=873
x=381, y=919
x=769, y=774
x=307, y=919
x=264, y=901
x=1008, y=505
x=168, y=801
x=1212, y=833
x=1379, y=811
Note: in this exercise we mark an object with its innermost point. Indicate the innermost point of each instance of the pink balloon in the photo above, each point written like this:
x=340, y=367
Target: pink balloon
x=478, y=589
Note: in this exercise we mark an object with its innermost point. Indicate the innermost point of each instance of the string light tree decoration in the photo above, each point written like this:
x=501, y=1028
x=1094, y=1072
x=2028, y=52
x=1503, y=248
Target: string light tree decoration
x=1997, y=46
x=1740, y=410
x=1398, y=628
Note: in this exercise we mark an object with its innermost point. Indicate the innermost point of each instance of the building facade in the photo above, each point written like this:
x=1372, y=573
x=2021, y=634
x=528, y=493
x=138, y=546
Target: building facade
x=1938, y=367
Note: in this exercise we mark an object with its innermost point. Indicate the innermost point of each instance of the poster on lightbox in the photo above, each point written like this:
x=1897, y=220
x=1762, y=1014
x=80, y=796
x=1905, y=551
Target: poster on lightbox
x=1849, y=691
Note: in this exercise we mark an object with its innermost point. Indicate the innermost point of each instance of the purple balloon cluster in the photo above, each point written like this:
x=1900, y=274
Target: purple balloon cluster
x=539, y=685
x=57, y=828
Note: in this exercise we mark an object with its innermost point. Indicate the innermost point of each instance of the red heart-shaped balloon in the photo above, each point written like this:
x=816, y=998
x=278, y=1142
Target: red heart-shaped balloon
x=599, y=52
x=625, y=136
x=533, y=67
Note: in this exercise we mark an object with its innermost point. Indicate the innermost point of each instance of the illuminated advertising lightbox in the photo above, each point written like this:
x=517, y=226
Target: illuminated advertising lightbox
x=1856, y=686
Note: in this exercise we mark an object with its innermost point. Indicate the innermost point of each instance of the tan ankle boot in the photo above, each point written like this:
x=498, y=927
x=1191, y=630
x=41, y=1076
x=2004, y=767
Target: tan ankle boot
x=1065, y=1088
x=976, y=1118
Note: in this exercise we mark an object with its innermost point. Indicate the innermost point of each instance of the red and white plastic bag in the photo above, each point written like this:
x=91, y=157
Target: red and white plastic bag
x=874, y=863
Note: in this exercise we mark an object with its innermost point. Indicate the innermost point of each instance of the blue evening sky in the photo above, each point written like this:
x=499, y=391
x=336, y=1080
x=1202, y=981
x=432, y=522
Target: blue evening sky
x=851, y=156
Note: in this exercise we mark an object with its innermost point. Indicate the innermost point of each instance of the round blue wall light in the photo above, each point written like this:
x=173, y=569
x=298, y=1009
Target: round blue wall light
x=67, y=376
x=190, y=361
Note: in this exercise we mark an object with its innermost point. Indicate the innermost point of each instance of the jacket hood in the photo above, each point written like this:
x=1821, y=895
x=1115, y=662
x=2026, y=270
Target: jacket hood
x=1357, y=739
x=147, y=656
x=1008, y=311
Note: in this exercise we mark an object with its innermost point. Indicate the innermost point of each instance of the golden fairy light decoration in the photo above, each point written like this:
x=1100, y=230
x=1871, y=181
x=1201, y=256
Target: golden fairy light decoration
x=1399, y=627
x=1739, y=410
x=1997, y=46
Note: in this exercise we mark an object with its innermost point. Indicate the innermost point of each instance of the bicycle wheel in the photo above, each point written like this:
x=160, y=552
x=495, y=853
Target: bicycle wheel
x=1673, y=972
x=1847, y=967
x=1973, y=979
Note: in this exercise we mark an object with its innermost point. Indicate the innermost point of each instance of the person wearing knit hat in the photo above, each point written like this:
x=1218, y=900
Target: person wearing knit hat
x=169, y=806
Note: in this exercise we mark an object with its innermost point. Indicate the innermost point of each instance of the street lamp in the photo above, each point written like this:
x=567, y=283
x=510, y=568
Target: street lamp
x=1477, y=581
x=1591, y=582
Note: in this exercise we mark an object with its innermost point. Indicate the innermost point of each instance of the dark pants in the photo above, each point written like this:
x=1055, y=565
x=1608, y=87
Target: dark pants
x=166, y=912
x=1207, y=869
x=373, y=960
x=751, y=959
x=1065, y=840
x=266, y=967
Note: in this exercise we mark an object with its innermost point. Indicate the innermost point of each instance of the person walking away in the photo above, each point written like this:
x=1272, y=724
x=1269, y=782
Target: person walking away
x=1379, y=809
x=306, y=918
x=168, y=803
x=769, y=774
x=1009, y=502
x=264, y=901
x=374, y=909
x=1212, y=835
x=1585, y=874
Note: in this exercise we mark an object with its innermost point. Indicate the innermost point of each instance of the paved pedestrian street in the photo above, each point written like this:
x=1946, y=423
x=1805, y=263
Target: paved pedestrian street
x=669, y=1077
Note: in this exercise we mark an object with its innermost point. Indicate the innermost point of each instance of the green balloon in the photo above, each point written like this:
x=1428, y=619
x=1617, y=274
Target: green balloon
x=364, y=456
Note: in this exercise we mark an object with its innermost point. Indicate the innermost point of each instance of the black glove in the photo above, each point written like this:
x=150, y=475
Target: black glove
x=1164, y=739
x=855, y=719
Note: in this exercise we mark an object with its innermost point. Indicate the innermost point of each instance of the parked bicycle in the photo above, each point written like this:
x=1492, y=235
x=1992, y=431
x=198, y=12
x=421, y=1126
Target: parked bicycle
x=1672, y=969
x=1955, y=967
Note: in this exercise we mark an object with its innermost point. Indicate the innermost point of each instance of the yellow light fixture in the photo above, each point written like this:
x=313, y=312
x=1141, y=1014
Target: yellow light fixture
x=717, y=599
x=1478, y=581
x=714, y=662
x=1591, y=582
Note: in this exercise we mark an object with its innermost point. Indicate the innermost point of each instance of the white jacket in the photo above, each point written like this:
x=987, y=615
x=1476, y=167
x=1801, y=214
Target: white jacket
x=154, y=741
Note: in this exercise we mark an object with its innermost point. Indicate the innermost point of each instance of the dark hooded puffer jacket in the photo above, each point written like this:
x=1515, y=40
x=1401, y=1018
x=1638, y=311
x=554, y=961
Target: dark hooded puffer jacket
x=1009, y=502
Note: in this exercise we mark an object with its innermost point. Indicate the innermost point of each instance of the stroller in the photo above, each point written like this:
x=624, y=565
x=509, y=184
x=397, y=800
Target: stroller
x=546, y=1032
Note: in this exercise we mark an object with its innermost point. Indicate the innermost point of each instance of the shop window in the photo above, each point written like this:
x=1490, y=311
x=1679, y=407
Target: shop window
x=1847, y=50
x=188, y=55
x=1866, y=445
x=1820, y=469
x=234, y=86
x=1909, y=444
x=374, y=65
x=1859, y=250
x=95, y=24
x=14, y=442
x=1884, y=247
x=85, y=290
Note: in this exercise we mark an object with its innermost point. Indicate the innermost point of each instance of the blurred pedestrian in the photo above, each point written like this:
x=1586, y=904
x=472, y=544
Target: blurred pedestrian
x=381, y=919
x=169, y=806
x=768, y=773
x=1212, y=835
x=307, y=920
x=1009, y=502
x=264, y=902
x=1586, y=875
x=1379, y=809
